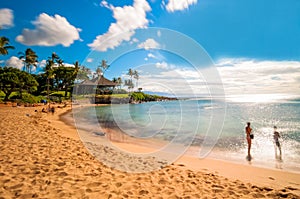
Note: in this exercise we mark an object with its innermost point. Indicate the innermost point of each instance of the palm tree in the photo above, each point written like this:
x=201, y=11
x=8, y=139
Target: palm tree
x=4, y=46
x=59, y=61
x=119, y=82
x=129, y=84
x=130, y=73
x=136, y=76
x=102, y=68
x=29, y=58
x=49, y=71
x=83, y=73
x=98, y=71
x=76, y=69
x=86, y=70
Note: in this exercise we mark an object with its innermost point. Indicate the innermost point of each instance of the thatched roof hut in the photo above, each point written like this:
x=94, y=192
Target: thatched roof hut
x=95, y=86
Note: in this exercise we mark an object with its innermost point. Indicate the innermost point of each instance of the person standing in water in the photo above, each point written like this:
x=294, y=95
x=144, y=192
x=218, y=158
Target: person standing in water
x=249, y=136
x=276, y=137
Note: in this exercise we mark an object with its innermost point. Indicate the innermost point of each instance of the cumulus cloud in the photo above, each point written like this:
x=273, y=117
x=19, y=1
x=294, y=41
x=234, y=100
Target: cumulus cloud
x=175, y=5
x=243, y=80
x=6, y=18
x=149, y=44
x=162, y=65
x=50, y=31
x=15, y=62
x=128, y=19
x=251, y=77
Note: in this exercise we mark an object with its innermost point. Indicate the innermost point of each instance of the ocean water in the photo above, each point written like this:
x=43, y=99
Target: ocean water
x=214, y=128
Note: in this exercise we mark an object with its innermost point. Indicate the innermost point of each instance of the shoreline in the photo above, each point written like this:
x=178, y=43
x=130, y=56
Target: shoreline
x=257, y=174
x=43, y=157
x=191, y=151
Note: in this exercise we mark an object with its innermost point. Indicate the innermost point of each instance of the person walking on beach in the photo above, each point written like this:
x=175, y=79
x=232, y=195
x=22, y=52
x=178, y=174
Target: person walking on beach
x=249, y=136
x=276, y=137
x=52, y=110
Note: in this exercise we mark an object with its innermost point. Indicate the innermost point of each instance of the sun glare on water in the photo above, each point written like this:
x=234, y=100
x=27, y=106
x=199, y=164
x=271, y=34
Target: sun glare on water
x=257, y=98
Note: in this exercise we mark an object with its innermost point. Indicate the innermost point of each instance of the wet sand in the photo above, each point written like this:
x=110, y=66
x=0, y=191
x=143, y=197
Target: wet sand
x=42, y=157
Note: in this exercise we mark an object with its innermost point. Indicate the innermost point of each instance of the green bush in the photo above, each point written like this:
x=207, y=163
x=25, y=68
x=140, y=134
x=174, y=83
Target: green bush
x=26, y=98
x=138, y=96
x=2, y=95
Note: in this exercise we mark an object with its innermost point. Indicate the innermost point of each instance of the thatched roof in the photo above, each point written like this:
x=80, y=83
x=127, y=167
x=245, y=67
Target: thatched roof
x=87, y=82
x=98, y=81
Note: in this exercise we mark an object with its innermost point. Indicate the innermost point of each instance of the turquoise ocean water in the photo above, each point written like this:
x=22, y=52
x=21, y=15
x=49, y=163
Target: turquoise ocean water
x=216, y=126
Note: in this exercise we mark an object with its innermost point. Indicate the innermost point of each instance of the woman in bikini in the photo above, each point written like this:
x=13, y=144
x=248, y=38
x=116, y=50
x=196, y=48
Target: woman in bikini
x=276, y=137
x=248, y=130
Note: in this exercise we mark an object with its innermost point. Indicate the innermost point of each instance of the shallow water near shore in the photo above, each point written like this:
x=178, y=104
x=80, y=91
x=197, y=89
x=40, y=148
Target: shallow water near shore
x=207, y=125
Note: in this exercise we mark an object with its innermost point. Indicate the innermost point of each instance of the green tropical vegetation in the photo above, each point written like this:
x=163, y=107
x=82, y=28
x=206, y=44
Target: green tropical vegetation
x=57, y=81
x=143, y=97
x=133, y=74
x=12, y=79
x=101, y=69
x=29, y=59
x=4, y=46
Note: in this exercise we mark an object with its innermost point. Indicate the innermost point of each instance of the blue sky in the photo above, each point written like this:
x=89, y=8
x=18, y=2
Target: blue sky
x=259, y=40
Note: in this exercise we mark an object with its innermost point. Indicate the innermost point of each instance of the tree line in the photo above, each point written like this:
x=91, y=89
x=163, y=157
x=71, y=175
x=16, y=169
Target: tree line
x=56, y=76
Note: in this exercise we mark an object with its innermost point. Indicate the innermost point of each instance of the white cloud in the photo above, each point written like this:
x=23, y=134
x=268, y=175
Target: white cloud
x=178, y=80
x=105, y=4
x=6, y=18
x=175, y=5
x=150, y=55
x=50, y=31
x=149, y=44
x=134, y=40
x=190, y=75
x=128, y=19
x=162, y=65
x=69, y=65
x=89, y=60
x=43, y=63
x=242, y=77
x=243, y=80
x=15, y=62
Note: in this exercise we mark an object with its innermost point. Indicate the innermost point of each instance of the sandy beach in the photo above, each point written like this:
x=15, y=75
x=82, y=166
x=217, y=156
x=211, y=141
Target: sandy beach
x=42, y=157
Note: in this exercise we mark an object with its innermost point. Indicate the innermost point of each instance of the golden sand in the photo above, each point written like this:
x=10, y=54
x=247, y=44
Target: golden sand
x=41, y=157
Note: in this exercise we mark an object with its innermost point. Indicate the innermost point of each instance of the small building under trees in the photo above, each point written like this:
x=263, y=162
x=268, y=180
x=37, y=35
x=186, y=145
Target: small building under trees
x=99, y=85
